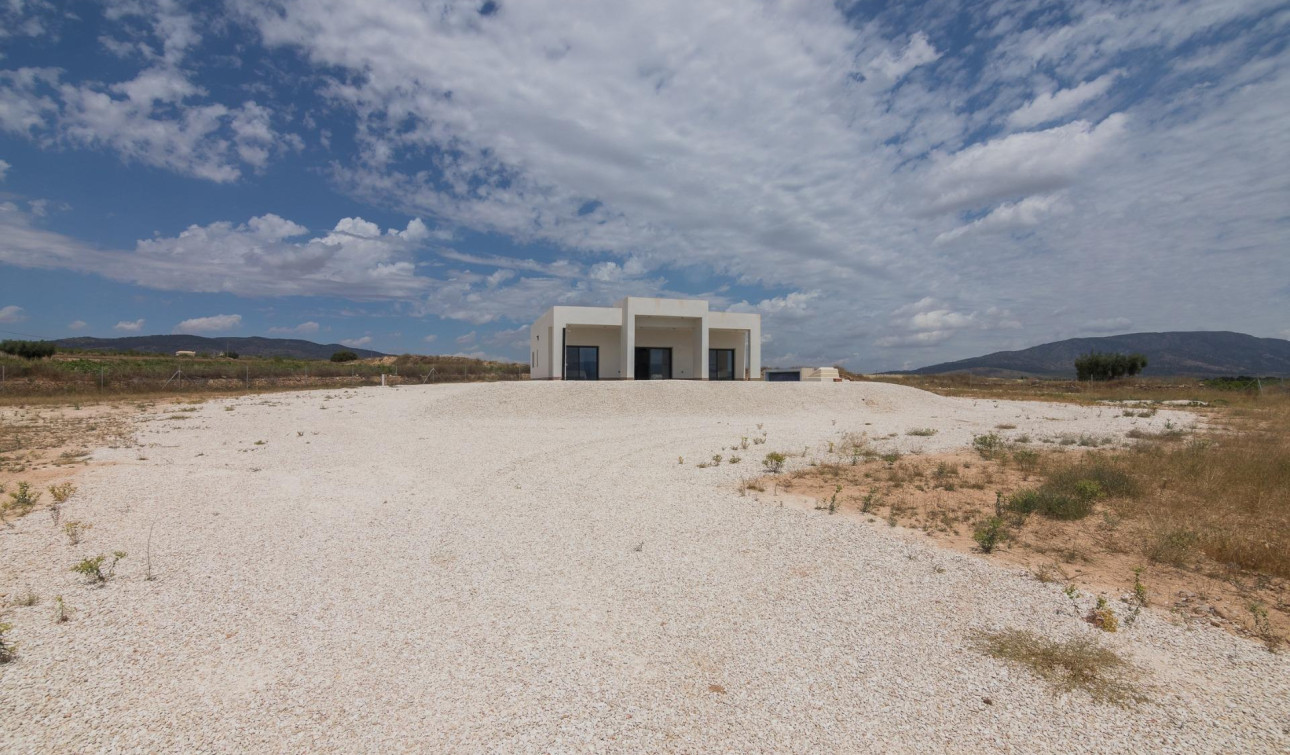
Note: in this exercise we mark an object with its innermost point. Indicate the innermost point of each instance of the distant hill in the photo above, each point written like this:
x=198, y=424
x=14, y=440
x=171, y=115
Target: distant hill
x=1199, y=353
x=251, y=347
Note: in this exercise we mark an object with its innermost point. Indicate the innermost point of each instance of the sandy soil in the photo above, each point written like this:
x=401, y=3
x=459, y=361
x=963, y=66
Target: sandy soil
x=527, y=567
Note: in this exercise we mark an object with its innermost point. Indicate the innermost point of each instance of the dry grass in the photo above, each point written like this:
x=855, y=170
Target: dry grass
x=1226, y=493
x=1078, y=664
x=1208, y=513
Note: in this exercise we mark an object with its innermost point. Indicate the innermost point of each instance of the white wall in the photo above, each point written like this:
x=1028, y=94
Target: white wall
x=606, y=337
x=731, y=339
x=680, y=340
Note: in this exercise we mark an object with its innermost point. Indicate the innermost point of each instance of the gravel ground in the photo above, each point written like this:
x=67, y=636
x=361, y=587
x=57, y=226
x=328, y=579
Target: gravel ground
x=526, y=567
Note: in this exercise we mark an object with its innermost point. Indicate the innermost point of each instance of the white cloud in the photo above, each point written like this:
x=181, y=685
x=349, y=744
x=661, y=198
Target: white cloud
x=928, y=322
x=160, y=117
x=889, y=67
x=1018, y=164
x=1049, y=106
x=12, y=313
x=4, y=169
x=76, y=325
x=1009, y=216
x=466, y=339
x=262, y=257
x=211, y=324
x=129, y=326
x=430, y=338
x=303, y=329
x=355, y=343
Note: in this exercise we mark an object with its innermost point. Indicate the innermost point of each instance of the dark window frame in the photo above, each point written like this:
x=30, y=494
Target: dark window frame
x=671, y=365
x=713, y=365
x=581, y=374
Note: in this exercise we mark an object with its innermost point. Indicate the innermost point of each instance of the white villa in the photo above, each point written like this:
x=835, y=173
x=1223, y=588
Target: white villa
x=645, y=339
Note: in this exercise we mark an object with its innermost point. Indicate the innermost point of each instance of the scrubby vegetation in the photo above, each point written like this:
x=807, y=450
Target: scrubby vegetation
x=28, y=349
x=110, y=375
x=1205, y=510
x=1094, y=366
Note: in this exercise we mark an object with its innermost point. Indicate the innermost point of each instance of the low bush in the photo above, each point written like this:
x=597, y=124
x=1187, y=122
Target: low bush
x=774, y=462
x=990, y=534
x=93, y=571
x=989, y=445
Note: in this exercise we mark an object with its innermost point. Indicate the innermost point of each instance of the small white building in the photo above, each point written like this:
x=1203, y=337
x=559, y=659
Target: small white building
x=645, y=339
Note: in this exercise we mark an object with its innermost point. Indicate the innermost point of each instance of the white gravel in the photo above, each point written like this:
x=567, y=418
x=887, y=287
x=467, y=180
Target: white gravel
x=525, y=567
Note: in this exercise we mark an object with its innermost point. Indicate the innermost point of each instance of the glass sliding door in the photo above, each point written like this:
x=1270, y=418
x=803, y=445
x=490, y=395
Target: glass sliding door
x=653, y=363
x=721, y=364
x=581, y=362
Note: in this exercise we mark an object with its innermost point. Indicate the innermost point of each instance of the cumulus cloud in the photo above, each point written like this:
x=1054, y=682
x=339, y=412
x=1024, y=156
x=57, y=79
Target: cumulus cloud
x=129, y=326
x=265, y=256
x=430, y=338
x=210, y=324
x=12, y=313
x=76, y=325
x=356, y=343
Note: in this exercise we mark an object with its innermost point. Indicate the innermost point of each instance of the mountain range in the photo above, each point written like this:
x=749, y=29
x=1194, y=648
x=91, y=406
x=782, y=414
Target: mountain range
x=1196, y=353
x=254, y=346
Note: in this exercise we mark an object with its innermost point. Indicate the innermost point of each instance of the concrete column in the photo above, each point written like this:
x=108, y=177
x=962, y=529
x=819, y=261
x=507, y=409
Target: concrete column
x=556, y=338
x=627, y=343
x=741, y=357
x=754, y=351
x=701, y=345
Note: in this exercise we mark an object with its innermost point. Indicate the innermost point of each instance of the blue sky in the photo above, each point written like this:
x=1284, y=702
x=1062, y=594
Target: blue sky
x=887, y=187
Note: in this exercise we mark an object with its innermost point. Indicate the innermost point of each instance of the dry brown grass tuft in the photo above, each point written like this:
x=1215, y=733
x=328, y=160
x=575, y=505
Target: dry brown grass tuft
x=1080, y=663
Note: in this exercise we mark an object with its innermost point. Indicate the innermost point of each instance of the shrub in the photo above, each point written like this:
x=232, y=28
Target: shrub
x=989, y=445
x=990, y=533
x=1102, y=617
x=344, y=356
x=774, y=462
x=61, y=612
x=75, y=530
x=922, y=432
x=1094, y=366
x=92, y=568
x=62, y=492
x=23, y=498
x=1050, y=503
